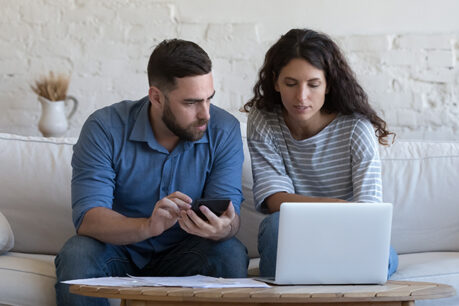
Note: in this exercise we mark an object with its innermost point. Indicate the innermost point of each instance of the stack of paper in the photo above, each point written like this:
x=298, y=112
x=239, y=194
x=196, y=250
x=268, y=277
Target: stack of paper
x=196, y=281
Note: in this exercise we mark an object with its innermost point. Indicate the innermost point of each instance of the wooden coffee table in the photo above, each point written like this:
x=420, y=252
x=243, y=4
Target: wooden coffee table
x=391, y=294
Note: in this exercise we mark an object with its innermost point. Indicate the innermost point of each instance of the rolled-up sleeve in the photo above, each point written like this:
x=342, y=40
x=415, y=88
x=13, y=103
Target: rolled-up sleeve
x=93, y=177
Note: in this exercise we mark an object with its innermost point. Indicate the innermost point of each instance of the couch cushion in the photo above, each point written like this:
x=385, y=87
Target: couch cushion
x=6, y=235
x=250, y=218
x=421, y=179
x=27, y=280
x=436, y=267
x=35, y=191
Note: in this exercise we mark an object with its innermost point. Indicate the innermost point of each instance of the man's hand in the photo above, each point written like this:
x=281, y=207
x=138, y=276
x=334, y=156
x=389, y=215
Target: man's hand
x=167, y=212
x=216, y=228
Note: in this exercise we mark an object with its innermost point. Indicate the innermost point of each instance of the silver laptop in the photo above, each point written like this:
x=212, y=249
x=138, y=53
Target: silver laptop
x=333, y=243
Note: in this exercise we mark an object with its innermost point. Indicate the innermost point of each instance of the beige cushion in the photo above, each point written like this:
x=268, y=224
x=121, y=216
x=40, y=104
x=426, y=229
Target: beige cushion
x=35, y=191
x=436, y=267
x=27, y=281
x=421, y=179
x=6, y=235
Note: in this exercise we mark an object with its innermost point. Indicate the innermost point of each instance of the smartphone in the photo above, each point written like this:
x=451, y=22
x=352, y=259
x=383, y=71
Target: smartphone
x=217, y=206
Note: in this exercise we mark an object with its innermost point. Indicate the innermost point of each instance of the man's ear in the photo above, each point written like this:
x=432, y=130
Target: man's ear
x=154, y=94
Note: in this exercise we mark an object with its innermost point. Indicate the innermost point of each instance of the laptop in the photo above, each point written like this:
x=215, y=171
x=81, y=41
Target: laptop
x=333, y=243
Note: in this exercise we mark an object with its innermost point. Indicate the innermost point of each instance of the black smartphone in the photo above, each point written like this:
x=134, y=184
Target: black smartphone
x=217, y=206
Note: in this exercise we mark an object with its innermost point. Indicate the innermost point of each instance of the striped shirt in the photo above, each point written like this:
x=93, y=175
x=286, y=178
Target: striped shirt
x=341, y=161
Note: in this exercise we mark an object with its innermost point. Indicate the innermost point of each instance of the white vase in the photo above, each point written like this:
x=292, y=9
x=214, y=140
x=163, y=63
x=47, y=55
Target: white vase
x=54, y=121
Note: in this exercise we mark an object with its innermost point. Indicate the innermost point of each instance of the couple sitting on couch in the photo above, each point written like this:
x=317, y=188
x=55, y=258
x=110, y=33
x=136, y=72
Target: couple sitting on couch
x=174, y=146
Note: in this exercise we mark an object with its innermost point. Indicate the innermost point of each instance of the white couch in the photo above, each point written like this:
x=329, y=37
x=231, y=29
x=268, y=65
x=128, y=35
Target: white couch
x=420, y=178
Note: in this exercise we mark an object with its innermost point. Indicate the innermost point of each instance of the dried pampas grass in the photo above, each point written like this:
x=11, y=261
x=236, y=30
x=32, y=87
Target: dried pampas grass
x=52, y=87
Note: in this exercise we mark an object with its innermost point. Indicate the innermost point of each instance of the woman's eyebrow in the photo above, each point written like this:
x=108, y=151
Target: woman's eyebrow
x=293, y=79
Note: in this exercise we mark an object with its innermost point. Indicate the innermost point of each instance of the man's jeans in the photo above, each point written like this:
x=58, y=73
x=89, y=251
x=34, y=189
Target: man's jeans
x=84, y=257
x=267, y=247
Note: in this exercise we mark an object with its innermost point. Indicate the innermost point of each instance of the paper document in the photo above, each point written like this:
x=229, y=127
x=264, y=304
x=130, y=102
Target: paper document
x=196, y=281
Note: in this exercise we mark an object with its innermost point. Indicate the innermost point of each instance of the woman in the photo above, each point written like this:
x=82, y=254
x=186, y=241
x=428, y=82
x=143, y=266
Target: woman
x=311, y=134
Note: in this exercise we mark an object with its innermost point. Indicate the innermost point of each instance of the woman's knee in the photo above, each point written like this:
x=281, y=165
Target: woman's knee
x=268, y=230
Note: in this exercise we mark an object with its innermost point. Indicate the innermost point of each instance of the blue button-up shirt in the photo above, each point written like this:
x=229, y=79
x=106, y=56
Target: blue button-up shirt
x=118, y=164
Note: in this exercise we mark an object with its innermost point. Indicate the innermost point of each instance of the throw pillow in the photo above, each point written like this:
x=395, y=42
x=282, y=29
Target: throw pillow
x=6, y=235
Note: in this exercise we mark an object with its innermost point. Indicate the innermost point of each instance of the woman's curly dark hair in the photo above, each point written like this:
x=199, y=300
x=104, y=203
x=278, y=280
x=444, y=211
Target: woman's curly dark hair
x=344, y=95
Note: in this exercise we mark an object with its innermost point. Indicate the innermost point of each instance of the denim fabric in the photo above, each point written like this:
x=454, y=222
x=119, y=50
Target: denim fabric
x=267, y=244
x=84, y=257
x=393, y=262
x=267, y=247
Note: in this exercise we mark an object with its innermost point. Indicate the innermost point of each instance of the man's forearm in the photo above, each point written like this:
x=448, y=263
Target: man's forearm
x=111, y=227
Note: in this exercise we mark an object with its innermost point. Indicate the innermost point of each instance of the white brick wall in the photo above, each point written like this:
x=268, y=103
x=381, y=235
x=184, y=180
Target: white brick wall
x=407, y=64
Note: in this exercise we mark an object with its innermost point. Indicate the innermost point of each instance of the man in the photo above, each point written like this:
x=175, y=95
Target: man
x=137, y=167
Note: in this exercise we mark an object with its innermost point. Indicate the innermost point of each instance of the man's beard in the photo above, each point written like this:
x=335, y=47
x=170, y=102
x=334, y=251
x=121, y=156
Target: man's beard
x=187, y=133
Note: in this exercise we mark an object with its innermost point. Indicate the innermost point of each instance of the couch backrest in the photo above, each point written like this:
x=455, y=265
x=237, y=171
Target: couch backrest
x=35, y=191
x=421, y=179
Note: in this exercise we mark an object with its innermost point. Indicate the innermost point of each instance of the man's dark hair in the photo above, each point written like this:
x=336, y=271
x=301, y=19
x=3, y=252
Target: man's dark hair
x=176, y=58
